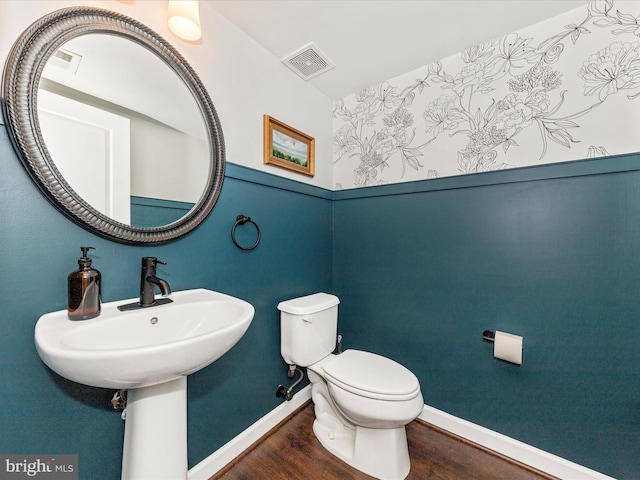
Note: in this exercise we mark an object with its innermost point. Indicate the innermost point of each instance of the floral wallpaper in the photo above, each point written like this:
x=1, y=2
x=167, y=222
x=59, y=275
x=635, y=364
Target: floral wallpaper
x=564, y=89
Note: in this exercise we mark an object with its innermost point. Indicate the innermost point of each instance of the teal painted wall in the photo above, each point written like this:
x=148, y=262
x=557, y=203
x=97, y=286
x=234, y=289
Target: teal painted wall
x=151, y=212
x=551, y=253
x=44, y=413
x=423, y=269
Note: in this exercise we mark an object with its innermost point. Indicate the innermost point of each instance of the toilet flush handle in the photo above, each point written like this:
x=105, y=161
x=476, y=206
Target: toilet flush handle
x=307, y=319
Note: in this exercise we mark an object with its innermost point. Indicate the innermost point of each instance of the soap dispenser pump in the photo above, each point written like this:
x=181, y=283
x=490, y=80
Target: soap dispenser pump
x=84, y=289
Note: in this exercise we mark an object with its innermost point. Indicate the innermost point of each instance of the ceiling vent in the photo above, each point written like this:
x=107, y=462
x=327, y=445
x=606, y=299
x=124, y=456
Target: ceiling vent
x=308, y=62
x=66, y=60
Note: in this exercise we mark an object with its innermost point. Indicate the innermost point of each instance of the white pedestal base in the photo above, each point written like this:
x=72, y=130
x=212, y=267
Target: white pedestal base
x=155, y=433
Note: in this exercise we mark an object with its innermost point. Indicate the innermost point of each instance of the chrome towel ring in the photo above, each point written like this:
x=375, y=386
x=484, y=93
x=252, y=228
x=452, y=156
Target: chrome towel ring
x=241, y=220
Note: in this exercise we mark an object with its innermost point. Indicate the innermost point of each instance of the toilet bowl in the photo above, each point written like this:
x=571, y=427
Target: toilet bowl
x=362, y=401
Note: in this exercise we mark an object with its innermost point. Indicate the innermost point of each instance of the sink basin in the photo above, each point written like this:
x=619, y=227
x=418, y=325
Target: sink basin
x=144, y=347
x=149, y=352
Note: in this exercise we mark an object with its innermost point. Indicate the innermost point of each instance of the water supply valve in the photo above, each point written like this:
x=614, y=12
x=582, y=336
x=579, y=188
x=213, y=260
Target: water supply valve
x=288, y=394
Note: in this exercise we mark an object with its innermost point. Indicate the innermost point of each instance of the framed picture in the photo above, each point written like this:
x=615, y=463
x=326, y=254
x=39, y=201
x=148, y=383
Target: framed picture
x=286, y=147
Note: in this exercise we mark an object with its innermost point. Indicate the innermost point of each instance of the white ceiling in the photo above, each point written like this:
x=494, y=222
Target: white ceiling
x=371, y=41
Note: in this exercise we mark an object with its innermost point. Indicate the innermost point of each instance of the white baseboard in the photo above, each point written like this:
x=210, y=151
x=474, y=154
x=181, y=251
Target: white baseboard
x=225, y=454
x=484, y=437
x=509, y=447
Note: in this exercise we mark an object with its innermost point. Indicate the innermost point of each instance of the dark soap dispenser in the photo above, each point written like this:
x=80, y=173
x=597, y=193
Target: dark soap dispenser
x=84, y=289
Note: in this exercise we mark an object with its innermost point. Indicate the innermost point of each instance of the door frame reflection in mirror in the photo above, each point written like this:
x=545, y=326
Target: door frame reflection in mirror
x=20, y=81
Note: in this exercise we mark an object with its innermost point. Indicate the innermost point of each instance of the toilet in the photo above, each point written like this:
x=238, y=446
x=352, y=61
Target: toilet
x=362, y=401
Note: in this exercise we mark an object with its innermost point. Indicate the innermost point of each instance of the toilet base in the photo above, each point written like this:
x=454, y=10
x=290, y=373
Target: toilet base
x=381, y=453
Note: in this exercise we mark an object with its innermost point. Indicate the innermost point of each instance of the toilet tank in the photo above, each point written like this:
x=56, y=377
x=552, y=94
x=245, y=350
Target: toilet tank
x=308, y=328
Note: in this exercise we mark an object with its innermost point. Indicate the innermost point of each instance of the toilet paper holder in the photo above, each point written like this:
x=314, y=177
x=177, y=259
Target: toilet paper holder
x=489, y=336
x=507, y=347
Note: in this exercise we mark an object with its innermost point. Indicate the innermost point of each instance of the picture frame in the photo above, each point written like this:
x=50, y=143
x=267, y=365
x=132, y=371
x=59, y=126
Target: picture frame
x=288, y=148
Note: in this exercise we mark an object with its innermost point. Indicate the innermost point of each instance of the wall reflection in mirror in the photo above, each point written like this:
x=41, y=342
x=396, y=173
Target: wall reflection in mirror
x=123, y=130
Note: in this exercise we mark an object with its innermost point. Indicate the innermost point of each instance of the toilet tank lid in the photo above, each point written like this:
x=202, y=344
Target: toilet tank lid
x=309, y=304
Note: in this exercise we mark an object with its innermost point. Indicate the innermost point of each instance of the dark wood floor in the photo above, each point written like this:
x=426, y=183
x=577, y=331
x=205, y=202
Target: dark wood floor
x=292, y=452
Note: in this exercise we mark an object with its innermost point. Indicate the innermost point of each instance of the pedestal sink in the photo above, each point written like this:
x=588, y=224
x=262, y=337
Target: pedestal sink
x=149, y=352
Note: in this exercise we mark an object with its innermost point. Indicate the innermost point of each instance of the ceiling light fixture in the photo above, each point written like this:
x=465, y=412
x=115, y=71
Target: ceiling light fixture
x=184, y=19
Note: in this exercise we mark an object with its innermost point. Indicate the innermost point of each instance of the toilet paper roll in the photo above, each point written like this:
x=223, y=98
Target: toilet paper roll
x=508, y=347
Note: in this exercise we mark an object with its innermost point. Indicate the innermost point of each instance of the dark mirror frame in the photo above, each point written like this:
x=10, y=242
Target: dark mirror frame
x=20, y=80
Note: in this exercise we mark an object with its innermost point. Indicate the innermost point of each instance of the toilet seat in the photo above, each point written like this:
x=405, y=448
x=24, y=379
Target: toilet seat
x=371, y=376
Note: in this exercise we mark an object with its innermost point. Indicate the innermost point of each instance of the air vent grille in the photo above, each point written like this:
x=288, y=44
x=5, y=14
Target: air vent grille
x=64, y=56
x=308, y=62
x=65, y=60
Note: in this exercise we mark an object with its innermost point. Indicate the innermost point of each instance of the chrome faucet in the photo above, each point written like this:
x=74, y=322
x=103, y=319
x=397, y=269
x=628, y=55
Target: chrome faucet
x=148, y=283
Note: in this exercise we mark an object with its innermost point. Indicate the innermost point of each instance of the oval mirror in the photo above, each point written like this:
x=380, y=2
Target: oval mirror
x=113, y=125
